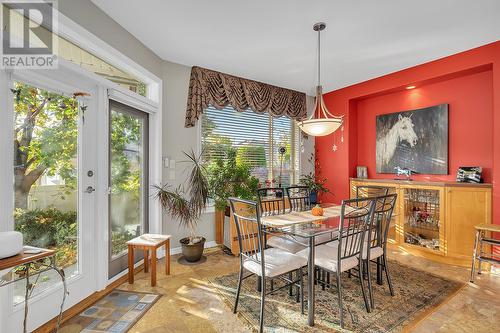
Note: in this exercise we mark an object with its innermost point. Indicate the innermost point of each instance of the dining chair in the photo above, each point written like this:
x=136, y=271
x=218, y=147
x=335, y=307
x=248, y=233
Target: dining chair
x=355, y=218
x=272, y=202
x=367, y=191
x=375, y=244
x=298, y=198
x=376, y=240
x=265, y=263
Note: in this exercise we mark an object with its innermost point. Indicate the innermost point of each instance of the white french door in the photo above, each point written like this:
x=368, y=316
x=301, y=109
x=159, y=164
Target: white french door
x=48, y=178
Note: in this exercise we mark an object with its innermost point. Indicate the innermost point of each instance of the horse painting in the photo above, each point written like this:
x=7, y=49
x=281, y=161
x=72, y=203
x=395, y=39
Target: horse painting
x=416, y=140
x=401, y=131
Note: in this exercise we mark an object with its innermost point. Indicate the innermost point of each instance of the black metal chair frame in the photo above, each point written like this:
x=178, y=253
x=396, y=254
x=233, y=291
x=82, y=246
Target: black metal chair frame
x=352, y=230
x=384, y=207
x=271, y=207
x=247, y=242
x=298, y=203
x=274, y=206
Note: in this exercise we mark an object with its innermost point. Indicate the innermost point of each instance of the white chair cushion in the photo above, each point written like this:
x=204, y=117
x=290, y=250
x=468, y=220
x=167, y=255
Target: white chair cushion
x=286, y=243
x=326, y=257
x=276, y=261
x=375, y=252
x=325, y=238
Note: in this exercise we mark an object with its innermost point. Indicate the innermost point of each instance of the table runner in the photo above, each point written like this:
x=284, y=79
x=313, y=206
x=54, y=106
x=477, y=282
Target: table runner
x=300, y=217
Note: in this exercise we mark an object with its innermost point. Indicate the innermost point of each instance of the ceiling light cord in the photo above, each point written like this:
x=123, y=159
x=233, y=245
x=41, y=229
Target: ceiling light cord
x=319, y=57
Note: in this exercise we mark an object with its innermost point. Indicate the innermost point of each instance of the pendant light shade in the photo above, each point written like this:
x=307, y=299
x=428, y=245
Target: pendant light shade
x=321, y=122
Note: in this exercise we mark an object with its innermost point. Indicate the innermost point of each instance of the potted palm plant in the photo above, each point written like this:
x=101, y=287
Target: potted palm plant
x=187, y=206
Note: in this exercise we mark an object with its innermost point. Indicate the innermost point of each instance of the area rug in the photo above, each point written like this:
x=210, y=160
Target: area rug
x=417, y=293
x=117, y=312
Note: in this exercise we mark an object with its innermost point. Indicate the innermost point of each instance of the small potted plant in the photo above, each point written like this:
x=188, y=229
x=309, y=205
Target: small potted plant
x=187, y=206
x=313, y=181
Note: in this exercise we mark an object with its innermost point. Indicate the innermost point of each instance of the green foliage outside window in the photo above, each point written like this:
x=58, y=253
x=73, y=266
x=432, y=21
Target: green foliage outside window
x=45, y=143
x=228, y=178
x=251, y=155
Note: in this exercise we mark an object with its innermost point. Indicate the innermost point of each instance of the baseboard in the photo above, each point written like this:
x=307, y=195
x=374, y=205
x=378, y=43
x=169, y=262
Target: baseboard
x=177, y=250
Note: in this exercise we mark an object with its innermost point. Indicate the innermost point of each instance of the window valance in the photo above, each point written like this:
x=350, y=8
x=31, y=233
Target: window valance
x=207, y=87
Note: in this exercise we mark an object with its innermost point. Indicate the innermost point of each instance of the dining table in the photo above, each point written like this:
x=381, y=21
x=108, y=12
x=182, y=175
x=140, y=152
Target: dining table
x=307, y=229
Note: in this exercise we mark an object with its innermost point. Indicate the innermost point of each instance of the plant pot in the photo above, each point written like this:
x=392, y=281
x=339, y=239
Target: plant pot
x=192, y=252
x=313, y=197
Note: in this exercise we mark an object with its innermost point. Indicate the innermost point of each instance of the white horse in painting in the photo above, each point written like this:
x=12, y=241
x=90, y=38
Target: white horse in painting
x=401, y=131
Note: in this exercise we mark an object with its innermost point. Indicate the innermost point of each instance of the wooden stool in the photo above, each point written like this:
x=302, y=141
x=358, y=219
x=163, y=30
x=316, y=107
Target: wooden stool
x=481, y=238
x=148, y=243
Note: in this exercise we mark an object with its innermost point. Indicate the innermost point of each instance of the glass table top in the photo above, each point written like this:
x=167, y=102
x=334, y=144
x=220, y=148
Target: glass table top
x=304, y=224
x=311, y=229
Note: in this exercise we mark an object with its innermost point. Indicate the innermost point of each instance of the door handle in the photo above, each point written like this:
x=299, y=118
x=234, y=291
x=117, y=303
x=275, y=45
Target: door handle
x=89, y=189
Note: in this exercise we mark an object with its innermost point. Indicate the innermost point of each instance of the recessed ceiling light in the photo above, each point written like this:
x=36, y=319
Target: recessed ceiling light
x=410, y=87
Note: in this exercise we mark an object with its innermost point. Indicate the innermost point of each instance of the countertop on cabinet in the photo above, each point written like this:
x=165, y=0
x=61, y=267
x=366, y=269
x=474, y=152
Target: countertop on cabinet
x=422, y=183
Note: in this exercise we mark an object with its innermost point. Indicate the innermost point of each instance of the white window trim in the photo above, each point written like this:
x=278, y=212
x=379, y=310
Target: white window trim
x=89, y=42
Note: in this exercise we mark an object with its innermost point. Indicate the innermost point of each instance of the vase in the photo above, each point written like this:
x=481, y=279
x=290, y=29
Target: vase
x=313, y=197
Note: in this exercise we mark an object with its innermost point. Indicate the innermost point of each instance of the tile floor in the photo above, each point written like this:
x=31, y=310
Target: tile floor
x=189, y=304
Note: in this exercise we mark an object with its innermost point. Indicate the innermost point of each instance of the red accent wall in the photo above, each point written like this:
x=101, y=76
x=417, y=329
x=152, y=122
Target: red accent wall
x=470, y=122
x=469, y=82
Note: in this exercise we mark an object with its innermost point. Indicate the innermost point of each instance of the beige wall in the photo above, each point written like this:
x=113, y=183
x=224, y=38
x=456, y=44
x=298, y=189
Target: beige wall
x=176, y=139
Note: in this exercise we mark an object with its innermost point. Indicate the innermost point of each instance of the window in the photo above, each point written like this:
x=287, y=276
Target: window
x=45, y=178
x=75, y=54
x=257, y=139
x=90, y=62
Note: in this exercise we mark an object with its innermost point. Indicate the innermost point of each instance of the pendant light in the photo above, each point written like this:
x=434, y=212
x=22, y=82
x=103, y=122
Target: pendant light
x=321, y=122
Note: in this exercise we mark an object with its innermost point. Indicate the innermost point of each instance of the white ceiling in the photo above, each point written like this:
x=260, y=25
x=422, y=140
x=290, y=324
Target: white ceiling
x=272, y=40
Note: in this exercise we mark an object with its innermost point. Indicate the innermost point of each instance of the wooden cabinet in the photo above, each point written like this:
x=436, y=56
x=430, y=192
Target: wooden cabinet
x=435, y=219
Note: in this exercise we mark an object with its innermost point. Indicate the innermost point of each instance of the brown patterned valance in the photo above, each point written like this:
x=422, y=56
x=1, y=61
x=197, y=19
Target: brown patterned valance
x=207, y=87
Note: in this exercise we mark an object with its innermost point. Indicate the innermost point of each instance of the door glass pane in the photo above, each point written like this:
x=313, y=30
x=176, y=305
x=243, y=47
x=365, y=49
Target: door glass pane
x=127, y=176
x=46, y=177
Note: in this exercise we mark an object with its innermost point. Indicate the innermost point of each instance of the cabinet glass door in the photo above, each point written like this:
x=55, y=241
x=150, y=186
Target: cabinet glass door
x=422, y=218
